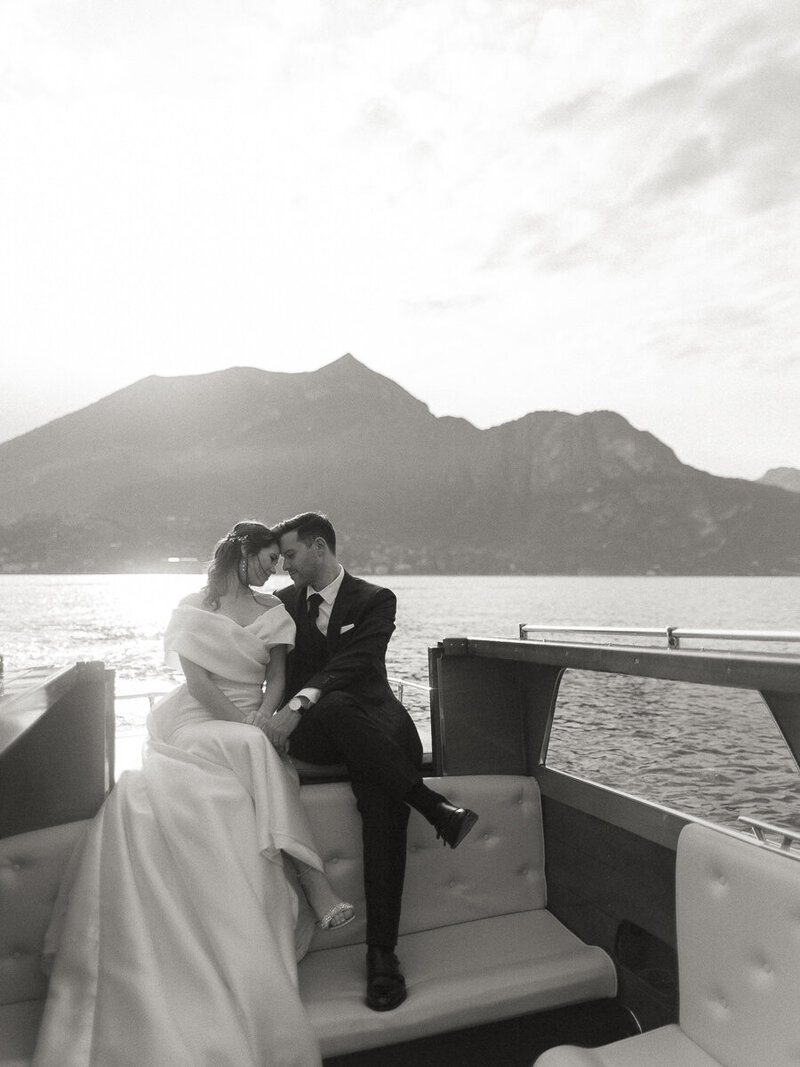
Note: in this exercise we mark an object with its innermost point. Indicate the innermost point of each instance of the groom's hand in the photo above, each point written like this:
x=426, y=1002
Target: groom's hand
x=280, y=727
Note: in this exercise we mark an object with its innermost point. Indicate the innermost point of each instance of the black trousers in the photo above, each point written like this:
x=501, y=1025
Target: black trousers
x=383, y=753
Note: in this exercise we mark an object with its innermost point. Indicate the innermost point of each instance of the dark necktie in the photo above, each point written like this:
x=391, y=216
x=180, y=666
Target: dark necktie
x=312, y=606
x=318, y=641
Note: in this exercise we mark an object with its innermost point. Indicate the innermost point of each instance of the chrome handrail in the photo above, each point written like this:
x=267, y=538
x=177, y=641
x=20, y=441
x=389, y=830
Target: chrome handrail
x=788, y=837
x=151, y=697
x=402, y=685
x=672, y=634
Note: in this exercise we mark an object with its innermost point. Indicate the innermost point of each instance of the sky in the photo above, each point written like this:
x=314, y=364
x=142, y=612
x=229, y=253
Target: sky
x=504, y=205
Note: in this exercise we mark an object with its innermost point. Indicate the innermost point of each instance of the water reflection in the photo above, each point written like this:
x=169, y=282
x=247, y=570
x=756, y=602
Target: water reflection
x=710, y=751
x=665, y=744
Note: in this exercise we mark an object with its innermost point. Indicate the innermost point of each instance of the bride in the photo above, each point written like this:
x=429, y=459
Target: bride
x=178, y=927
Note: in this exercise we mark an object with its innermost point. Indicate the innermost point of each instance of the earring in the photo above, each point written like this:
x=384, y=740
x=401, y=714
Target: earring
x=243, y=569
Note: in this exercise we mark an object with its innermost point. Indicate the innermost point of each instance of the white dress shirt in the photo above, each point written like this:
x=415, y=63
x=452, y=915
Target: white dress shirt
x=328, y=595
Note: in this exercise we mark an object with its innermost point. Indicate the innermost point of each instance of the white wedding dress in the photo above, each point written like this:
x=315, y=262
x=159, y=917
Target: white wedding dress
x=177, y=930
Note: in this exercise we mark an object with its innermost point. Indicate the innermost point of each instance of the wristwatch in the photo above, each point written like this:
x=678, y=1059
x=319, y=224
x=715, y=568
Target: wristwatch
x=299, y=704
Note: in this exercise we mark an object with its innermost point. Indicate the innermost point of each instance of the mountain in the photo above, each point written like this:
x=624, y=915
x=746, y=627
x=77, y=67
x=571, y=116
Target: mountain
x=784, y=477
x=164, y=466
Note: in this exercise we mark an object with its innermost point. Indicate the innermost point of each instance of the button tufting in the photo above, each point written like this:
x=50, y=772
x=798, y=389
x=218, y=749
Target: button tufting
x=452, y=884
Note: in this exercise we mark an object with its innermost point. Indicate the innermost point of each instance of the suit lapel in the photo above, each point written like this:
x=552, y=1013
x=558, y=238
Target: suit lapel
x=292, y=601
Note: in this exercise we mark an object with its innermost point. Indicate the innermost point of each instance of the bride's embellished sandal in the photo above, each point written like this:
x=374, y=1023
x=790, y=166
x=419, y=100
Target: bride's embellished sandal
x=327, y=920
x=310, y=879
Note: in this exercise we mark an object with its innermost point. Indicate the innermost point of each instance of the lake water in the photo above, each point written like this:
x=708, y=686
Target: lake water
x=699, y=750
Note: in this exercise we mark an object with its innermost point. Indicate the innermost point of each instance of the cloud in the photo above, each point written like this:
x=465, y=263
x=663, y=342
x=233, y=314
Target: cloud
x=737, y=38
x=759, y=130
x=665, y=95
x=733, y=118
x=438, y=305
x=695, y=161
x=582, y=188
x=663, y=157
x=379, y=116
x=747, y=129
x=567, y=112
x=702, y=335
x=522, y=237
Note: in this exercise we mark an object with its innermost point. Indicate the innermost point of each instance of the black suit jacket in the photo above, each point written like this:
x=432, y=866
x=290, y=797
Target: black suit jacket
x=361, y=623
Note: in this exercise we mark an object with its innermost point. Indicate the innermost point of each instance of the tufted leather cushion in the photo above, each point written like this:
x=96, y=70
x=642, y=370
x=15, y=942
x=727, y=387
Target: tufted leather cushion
x=19, y=1026
x=477, y=943
x=498, y=869
x=738, y=908
x=738, y=913
x=667, y=1046
x=458, y=975
x=31, y=867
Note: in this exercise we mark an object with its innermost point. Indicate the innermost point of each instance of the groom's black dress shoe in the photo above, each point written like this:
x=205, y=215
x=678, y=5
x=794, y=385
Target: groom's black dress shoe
x=386, y=986
x=452, y=824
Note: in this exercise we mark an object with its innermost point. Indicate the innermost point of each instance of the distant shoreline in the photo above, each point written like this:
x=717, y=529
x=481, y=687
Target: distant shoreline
x=200, y=571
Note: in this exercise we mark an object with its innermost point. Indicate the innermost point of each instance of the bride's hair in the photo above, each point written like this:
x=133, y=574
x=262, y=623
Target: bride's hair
x=247, y=538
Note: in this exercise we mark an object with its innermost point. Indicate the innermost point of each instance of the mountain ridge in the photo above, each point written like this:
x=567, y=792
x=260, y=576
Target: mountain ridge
x=164, y=465
x=787, y=478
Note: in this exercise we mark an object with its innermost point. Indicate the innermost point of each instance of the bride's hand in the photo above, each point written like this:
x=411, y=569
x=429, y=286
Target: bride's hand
x=278, y=741
x=280, y=727
x=256, y=718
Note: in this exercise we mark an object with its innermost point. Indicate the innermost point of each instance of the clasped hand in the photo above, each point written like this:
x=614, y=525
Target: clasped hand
x=256, y=718
x=277, y=727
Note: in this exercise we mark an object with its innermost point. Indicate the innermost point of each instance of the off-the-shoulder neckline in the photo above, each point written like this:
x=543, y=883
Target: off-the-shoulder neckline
x=222, y=615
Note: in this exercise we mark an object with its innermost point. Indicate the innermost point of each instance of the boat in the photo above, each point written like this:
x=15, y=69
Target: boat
x=557, y=860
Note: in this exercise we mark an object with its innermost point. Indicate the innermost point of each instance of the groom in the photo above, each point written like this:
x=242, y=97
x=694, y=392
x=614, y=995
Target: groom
x=344, y=711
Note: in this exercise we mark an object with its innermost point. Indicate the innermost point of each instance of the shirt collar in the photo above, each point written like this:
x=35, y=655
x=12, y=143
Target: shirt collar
x=328, y=594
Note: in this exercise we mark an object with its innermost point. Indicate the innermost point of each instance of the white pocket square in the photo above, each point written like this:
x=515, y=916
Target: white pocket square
x=347, y=626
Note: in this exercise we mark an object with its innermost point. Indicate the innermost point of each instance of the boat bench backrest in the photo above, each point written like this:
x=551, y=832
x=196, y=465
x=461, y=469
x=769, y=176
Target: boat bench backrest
x=738, y=915
x=31, y=868
x=497, y=870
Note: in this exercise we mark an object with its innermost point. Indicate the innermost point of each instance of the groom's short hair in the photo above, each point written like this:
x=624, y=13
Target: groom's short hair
x=309, y=524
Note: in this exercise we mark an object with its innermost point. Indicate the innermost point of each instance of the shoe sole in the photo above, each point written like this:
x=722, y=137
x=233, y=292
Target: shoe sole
x=466, y=825
x=378, y=1006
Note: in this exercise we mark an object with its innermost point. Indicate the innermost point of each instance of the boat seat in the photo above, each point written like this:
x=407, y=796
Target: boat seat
x=738, y=922
x=310, y=773
x=477, y=941
x=31, y=868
